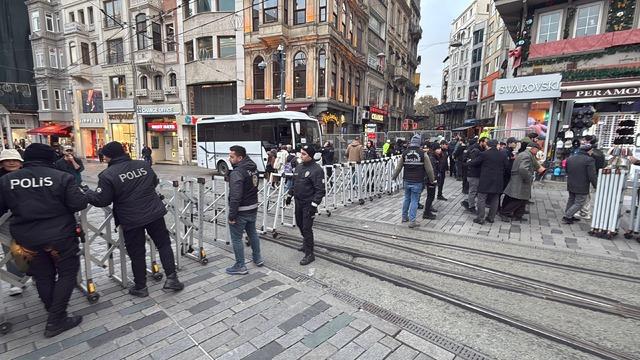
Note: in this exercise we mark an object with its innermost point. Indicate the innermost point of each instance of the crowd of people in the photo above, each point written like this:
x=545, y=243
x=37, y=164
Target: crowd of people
x=495, y=175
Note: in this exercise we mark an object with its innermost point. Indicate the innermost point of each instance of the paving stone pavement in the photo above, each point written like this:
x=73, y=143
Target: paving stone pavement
x=543, y=227
x=263, y=315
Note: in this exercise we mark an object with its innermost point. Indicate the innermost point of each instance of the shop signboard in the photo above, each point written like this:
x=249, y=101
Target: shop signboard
x=161, y=127
x=604, y=93
x=121, y=117
x=92, y=120
x=528, y=88
x=377, y=114
x=164, y=109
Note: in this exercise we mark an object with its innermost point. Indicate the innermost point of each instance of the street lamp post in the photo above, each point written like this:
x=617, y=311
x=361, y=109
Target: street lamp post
x=281, y=58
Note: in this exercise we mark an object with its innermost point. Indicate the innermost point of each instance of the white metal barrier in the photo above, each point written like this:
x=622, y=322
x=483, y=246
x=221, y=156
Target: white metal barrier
x=607, y=204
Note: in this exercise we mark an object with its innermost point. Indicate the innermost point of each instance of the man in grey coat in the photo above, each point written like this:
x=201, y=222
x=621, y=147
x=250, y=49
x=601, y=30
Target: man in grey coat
x=518, y=191
x=581, y=172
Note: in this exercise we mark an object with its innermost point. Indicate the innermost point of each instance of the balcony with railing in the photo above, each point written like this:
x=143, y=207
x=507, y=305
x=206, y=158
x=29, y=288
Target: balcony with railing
x=400, y=74
x=156, y=95
x=171, y=90
x=143, y=3
x=415, y=30
x=75, y=27
x=148, y=56
x=80, y=70
x=142, y=92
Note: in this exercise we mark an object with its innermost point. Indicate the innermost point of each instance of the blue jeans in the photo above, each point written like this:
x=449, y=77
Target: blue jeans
x=412, y=192
x=245, y=222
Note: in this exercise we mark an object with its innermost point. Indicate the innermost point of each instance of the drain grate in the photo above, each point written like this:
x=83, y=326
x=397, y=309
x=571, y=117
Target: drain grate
x=461, y=351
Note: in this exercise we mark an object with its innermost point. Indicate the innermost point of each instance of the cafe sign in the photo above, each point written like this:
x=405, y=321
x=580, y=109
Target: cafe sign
x=528, y=88
x=615, y=92
x=165, y=109
x=161, y=127
x=377, y=114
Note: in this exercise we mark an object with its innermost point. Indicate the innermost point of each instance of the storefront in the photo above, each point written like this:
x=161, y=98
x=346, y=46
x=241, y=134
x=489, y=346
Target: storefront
x=162, y=134
x=92, y=135
x=19, y=124
x=598, y=107
x=528, y=104
x=123, y=130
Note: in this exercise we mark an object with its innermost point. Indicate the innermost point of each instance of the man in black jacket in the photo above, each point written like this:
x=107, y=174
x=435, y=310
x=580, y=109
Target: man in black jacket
x=473, y=173
x=492, y=165
x=131, y=186
x=43, y=201
x=71, y=164
x=581, y=172
x=441, y=173
x=308, y=190
x=243, y=208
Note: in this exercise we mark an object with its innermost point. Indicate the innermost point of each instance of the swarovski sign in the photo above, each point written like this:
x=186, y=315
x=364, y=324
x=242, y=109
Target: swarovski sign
x=528, y=88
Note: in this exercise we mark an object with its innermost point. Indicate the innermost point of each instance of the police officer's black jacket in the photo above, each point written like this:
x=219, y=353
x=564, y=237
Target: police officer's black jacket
x=472, y=153
x=243, y=188
x=42, y=201
x=131, y=186
x=308, y=183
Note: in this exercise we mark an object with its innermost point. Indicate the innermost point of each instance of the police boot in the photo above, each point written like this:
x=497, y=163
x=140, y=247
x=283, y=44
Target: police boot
x=135, y=290
x=308, y=259
x=58, y=327
x=173, y=283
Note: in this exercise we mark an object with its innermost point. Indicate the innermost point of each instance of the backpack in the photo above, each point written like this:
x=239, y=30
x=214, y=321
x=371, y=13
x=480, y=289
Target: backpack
x=288, y=168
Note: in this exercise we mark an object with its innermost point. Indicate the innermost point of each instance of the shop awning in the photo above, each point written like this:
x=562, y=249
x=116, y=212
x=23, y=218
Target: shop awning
x=449, y=106
x=461, y=128
x=266, y=108
x=53, y=129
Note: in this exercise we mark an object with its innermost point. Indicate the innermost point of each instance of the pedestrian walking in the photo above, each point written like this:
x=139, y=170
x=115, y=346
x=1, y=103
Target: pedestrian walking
x=146, y=154
x=458, y=153
x=69, y=163
x=431, y=184
x=370, y=153
x=387, y=148
x=417, y=170
x=243, y=208
x=10, y=161
x=518, y=191
x=308, y=190
x=452, y=161
x=473, y=173
x=42, y=201
x=600, y=162
x=441, y=172
x=581, y=172
x=492, y=164
x=137, y=208
x=355, y=151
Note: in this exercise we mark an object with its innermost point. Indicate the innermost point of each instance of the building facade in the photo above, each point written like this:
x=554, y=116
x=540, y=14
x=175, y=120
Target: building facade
x=592, y=46
x=18, y=101
x=460, y=101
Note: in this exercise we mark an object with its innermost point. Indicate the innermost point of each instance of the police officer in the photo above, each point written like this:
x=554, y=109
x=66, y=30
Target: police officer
x=131, y=186
x=42, y=201
x=308, y=190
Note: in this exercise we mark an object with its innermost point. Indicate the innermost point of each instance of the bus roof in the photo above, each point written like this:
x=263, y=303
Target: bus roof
x=293, y=115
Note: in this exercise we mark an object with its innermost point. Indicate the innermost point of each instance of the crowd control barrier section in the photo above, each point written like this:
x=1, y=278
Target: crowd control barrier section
x=608, y=202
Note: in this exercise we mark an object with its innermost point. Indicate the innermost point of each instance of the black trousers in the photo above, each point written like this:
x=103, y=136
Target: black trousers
x=304, y=220
x=513, y=207
x=453, y=169
x=134, y=241
x=431, y=195
x=441, y=176
x=59, y=259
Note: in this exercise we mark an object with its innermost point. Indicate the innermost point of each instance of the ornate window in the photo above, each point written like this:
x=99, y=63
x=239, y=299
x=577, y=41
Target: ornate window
x=300, y=75
x=322, y=69
x=258, y=79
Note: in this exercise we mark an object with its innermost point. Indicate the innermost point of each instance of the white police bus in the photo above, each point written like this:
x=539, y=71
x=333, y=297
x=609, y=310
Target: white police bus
x=258, y=133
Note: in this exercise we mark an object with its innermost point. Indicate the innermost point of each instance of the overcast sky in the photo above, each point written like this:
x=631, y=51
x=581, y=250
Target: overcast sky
x=436, y=18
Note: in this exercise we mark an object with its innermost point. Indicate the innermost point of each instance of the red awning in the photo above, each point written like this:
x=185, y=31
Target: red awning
x=266, y=108
x=53, y=129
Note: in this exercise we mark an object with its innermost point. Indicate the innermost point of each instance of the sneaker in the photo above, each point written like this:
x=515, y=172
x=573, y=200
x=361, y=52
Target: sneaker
x=567, y=220
x=259, y=262
x=237, y=270
x=139, y=292
x=465, y=204
x=308, y=259
x=574, y=219
x=471, y=210
x=65, y=324
x=442, y=198
x=420, y=206
x=15, y=291
x=413, y=225
x=429, y=216
x=405, y=220
x=478, y=221
x=490, y=221
x=172, y=283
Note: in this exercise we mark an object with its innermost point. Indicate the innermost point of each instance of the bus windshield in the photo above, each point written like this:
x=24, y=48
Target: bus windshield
x=307, y=132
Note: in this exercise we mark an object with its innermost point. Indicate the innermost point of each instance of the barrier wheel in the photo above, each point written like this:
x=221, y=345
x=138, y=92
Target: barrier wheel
x=157, y=276
x=609, y=236
x=204, y=261
x=591, y=232
x=328, y=213
x=5, y=328
x=275, y=234
x=361, y=201
x=628, y=236
x=93, y=298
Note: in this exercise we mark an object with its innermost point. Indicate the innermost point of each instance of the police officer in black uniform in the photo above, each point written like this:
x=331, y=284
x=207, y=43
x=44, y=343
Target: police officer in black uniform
x=308, y=190
x=131, y=186
x=42, y=201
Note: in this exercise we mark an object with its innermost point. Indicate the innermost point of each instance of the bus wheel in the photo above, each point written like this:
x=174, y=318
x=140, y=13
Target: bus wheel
x=223, y=169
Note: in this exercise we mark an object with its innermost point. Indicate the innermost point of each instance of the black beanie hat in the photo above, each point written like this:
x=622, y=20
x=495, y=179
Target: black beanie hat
x=309, y=149
x=113, y=150
x=40, y=152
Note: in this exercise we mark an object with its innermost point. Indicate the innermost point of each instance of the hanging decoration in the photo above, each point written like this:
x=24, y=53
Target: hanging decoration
x=571, y=12
x=329, y=117
x=523, y=42
x=620, y=16
x=8, y=88
x=583, y=57
x=594, y=74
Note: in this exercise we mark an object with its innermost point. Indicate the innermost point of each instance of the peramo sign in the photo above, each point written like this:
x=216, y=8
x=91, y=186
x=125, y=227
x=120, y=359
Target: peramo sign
x=619, y=92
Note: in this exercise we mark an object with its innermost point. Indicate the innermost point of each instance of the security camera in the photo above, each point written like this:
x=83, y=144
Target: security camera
x=262, y=65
